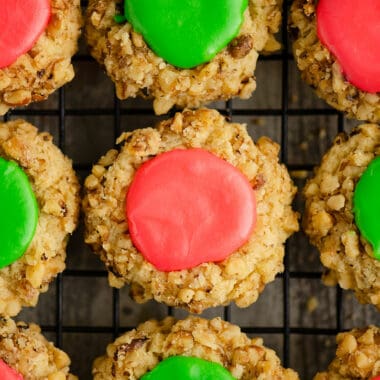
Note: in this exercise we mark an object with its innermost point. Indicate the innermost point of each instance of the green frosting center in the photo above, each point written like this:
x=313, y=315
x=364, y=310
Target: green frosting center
x=367, y=205
x=186, y=33
x=188, y=368
x=18, y=210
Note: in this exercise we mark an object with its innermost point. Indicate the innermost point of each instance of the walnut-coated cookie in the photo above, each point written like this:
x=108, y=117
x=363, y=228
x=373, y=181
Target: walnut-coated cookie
x=47, y=66
x=56, y=189
x=329, y=220
x=320, y=69
x=357, y=356
x=240, y=277
x=26, y=350
x=137, y=70
x=140, y=350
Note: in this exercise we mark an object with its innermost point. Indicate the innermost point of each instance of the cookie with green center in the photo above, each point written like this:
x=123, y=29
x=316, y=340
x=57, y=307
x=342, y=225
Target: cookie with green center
x=341, y=214
x=191, y=349
x=357, y=356
x=37, y=42
x=187, y=368
x=19, y=210
x=184, y=53
x=191, y=213
x=39, y=204
x=333, y=46
x=26, y=354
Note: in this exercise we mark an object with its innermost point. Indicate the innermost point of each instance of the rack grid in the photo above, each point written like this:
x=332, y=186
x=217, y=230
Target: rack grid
x=61, y=116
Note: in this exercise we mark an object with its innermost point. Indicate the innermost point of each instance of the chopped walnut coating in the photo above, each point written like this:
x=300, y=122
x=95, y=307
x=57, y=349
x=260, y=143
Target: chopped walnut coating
x=47, y=66
x=329, y=219
x=214, y=340
x=57, y=192
x=24, y=348
x=242, y=276
x=357, y=356
x=137, y=70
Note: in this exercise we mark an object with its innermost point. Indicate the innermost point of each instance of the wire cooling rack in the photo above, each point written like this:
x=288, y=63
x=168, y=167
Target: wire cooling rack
x=296, y=315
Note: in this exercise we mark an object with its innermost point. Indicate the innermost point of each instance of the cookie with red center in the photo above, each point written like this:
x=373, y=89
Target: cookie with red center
x=334, y=48
x=26, y=354
x=171, y=50
x=351, y=31
x=193, y=198
x=39, y=205
x=187, y=207
x=360, y=343
x=8, y=373
x=17, y=37
x=37, y=41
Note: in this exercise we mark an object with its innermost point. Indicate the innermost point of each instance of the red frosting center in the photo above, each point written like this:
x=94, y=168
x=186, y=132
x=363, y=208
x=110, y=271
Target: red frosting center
x=8, y=373
x=188, y=207
x=351, y=31
x=21, y=22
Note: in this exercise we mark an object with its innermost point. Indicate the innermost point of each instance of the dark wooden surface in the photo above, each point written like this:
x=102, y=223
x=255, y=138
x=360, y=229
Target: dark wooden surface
x=87, y=301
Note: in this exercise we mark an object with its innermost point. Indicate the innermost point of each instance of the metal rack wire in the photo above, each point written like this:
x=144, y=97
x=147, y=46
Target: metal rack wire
x=117, y=111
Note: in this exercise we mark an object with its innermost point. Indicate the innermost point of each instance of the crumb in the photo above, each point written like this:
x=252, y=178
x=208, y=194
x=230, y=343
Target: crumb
x=312, y=304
